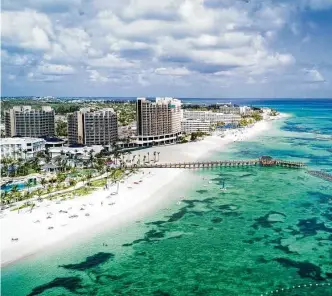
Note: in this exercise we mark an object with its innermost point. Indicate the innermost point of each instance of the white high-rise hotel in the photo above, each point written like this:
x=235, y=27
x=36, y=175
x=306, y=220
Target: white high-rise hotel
x=158, y=122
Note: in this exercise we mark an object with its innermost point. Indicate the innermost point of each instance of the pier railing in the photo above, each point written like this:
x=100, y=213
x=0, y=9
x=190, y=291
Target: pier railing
x=222, y=163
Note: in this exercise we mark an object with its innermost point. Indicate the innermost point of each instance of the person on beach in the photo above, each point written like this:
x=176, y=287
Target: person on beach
x=101, y=203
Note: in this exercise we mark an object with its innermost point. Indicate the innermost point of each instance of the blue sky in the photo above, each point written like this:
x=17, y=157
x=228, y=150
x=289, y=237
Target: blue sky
x=182, y=48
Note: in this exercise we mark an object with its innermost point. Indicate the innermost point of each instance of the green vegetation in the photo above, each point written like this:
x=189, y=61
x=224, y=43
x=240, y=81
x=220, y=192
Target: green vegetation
x=61, y=128
x=246, y=121
x=274, y=112
x=196, y=135
x=183, y=139
x=11, y=167
x=257, y=116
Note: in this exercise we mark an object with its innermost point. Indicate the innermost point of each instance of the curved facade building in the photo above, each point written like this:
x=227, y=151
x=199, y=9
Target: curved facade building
x=158, y=122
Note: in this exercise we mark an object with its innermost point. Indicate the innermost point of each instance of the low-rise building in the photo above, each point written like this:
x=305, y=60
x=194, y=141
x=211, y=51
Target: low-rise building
x=21, y=147
x=194, y=125
x=212, y=117
x=72, y=152
x=55, y=142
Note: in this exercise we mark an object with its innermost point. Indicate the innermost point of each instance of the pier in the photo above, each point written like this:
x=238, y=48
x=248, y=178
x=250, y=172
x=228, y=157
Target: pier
x=262, y=161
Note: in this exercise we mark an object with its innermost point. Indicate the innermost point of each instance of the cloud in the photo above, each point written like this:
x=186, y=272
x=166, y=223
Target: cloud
x=55, y=69
x=95, y=76
x=27, y=29
x=172, y=71
x=313, y=76
x=144, y=43
x=110, y=61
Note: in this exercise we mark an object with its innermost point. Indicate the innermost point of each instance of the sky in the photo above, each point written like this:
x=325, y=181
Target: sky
x=180, y=48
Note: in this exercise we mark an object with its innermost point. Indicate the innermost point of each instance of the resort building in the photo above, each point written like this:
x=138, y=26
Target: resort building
x=229, y=108
x=55, y=142
x=158, y=122
x=194, y=125
x=212, y=117
x=74, y=152
x=21, y=147
x=92, y=127
x=23, y=121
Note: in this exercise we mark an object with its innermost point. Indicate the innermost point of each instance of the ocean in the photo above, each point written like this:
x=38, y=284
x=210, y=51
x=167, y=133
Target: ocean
x=269, y=233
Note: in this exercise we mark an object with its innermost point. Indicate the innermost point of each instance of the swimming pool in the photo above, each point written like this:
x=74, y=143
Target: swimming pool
x=8, y=187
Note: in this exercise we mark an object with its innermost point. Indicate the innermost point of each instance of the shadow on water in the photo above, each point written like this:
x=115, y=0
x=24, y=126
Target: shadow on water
x=304, y=269
x=71, y=284
x=90, y=262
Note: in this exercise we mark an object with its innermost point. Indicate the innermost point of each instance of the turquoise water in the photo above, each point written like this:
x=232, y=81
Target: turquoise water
x=9, y=187
x=270, y=230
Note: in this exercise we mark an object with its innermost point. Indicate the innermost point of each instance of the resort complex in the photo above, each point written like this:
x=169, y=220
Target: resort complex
x=158, y=122
x=92, y=127
x=166, y=148
x=23, y=121
x=40, y=141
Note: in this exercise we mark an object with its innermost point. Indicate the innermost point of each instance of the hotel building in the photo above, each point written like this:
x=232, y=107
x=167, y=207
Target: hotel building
x=92, y=127
x=23, y=121
x=189, y=126
x=21, y=147
x=212, y=117
x=158, y=122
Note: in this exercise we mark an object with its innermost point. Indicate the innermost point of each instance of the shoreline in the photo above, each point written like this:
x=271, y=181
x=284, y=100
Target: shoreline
x=34, y=237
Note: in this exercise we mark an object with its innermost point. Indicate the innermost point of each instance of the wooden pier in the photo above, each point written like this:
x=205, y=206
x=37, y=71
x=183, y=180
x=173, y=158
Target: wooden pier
x=263, y=161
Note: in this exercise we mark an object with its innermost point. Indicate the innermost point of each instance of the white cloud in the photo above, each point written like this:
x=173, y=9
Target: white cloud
x=313, y=76
x=95, y=76
x=55, y=69
x=172, y=71
x=110, y=61
x=26, y=29
x=147, y=43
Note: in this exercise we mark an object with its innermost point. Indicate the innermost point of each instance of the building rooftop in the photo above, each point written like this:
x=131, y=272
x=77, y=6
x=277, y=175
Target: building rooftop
x=19, y=140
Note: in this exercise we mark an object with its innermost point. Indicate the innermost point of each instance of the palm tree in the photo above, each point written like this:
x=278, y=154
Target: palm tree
x=28, y=184
x=154, y=156
x=72, y=182
x=7, y=198
x=43, y=182
x=39, y=192
x=144, y=158
x=91, y=156
x=49, y=189
x=27, y=195
x=4, y=196
x=158, y=155
x=14, y=188
x=25, y=154
x=148, y=156
x=88, y=178
x=58, y=186
x=18, y=196
x=60, y=178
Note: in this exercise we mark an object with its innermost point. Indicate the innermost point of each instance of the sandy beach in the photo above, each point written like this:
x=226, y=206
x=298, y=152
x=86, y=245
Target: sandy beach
x=52, y=222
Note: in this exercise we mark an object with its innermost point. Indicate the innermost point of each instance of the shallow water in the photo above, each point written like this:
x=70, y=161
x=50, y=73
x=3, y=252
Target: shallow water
x=270, y=230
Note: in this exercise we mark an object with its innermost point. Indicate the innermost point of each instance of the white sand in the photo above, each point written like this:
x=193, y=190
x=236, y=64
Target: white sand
x=33, y=237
